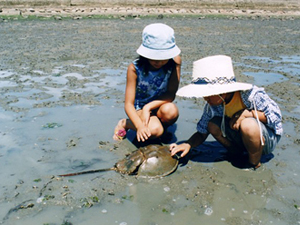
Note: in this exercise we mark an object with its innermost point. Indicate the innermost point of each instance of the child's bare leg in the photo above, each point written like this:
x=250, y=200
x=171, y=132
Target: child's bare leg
x=122, y=124
x=155, y=126
x=251, y=139
x=216, y=132
x=168, y=113
x=250, y=135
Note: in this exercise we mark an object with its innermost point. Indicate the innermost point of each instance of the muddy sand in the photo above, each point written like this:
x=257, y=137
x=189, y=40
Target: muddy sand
x=62, y=92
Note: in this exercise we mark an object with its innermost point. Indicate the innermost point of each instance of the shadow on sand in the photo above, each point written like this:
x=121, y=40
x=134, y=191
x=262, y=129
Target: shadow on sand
x=208, y=152
x=213, y=151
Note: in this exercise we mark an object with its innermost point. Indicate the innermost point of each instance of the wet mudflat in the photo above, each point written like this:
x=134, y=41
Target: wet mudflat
x=62, y=91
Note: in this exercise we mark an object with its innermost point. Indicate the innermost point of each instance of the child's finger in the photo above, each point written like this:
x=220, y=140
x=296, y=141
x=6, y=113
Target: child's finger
x=175, y=150
x=143, y=137
x=184, y=153
x=172, y=146
x=139, y=137
x=148, y=133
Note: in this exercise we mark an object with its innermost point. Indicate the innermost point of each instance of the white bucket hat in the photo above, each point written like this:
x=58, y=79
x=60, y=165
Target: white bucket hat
x=158, y=42
x=212, y=75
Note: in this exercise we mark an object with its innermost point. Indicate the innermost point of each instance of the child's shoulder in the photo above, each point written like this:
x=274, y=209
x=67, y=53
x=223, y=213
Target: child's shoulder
x=131, y=67
x=177, y=60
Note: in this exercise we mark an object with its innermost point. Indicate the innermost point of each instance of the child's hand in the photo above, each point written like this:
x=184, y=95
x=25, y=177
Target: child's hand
x=235, y=122
x=143, y=133
x=184, y=148
x=237, y=118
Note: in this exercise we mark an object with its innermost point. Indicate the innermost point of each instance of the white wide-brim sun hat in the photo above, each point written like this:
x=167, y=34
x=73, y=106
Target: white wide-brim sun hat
x=212, y=75
x=158, y=42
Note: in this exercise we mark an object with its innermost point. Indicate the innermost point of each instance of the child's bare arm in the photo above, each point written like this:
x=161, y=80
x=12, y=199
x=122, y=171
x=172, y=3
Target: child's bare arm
x=143, y=132
x=195, y=140
x=239, y=116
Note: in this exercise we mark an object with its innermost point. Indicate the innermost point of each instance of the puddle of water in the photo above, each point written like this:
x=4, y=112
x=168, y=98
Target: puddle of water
x=76, y=75
x=55, y=92
x=292, y=69
x=80, y=65
x=113, y=78
x=297, y=109
x=5, y=83
x=292, y=59
x=55, y=85
x=39, y=72
x=275, y=68
x=264, y=79
x=4, y=74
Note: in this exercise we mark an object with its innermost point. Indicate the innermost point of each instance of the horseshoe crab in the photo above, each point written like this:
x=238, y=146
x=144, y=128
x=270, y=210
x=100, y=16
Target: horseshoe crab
x=151, y=161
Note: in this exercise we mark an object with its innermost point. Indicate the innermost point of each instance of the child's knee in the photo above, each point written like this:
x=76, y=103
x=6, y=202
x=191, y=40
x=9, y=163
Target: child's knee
x=249, y=126
x=168, y=113
x=157, y=130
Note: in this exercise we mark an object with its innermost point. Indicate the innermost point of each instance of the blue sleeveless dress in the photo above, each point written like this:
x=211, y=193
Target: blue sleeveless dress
x=152, y=85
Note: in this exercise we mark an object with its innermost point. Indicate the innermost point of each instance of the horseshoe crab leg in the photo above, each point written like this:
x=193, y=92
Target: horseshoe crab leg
x=86, y=172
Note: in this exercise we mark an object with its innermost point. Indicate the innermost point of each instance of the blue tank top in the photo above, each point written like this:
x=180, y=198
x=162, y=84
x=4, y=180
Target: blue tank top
x=152, y=85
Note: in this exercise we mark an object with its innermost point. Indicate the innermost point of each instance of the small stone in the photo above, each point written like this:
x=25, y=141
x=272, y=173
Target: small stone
x=104, y=211
x=167, y=189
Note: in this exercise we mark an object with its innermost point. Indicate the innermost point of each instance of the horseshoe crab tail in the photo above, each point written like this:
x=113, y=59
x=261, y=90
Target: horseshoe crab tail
x=86, y=172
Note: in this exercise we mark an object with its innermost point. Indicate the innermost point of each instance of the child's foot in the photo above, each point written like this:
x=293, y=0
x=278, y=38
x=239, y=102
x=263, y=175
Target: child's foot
x=120, y=131
x=251, y=167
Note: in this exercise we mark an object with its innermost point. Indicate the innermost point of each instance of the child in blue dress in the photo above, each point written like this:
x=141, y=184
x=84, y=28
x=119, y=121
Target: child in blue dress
x=152, y=83
x=241, y=116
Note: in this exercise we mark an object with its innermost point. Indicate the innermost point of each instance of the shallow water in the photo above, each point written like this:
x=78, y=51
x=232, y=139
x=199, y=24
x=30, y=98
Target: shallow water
x=262, y=78
x=271, y=71
x=57, y=116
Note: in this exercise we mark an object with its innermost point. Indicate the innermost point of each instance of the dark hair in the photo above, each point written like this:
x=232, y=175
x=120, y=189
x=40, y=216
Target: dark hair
x=144, y=62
